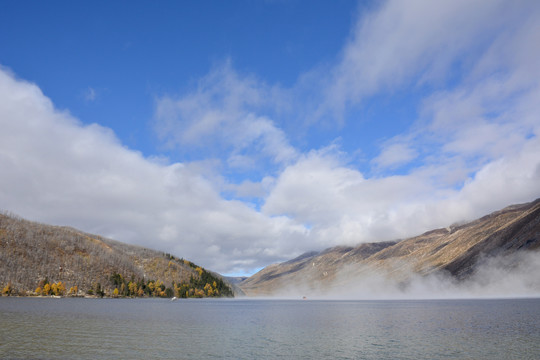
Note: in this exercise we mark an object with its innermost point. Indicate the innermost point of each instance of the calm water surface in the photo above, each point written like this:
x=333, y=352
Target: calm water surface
x=34, y=328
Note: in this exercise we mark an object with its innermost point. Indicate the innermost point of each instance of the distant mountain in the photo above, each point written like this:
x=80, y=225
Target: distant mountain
x=456, y=251
x=33, y=255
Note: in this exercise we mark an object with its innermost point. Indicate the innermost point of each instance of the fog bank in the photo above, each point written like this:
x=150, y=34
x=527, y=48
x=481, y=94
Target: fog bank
x=511, y=276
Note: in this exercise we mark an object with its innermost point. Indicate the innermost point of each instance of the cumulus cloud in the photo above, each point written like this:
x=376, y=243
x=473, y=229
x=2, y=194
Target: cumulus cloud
x=344, y=207
x=57, y=170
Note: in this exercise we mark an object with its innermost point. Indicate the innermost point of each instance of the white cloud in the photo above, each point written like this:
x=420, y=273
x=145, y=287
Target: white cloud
x=220, y=116
x=56, y=170
x=344, y=207
x=395, y=154
x=413, y=43
x=252, y=189
x=476, y=145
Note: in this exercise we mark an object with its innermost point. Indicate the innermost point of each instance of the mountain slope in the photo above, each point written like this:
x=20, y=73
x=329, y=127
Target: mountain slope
x=456, y=250
x=32, y=254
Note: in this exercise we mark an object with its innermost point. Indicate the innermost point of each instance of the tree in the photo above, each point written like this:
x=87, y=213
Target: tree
x=132, y=287
x=61, y=288
x=58, y=288
x=159, y=288
x=151, y=286
x=115, y=292
x=208, y=289
x=98, y=290
x=47, y=289
x=7, y=289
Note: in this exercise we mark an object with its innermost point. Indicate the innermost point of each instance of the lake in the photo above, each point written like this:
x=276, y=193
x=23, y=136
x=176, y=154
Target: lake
x=45, y=328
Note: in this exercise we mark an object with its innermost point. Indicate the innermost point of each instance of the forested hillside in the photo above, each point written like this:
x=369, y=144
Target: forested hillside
x=38, y=259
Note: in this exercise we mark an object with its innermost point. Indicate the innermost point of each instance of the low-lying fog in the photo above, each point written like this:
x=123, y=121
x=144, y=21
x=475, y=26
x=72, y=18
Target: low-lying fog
x=512, y=276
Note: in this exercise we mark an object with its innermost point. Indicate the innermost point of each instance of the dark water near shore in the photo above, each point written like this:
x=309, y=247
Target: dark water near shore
x=268, y=329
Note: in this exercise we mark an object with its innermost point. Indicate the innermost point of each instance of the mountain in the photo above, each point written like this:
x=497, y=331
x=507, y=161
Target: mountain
x=456, y=253
x=33, y=255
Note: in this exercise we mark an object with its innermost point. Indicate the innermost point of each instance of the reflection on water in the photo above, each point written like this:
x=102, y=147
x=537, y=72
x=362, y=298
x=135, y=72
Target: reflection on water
x=268, y=329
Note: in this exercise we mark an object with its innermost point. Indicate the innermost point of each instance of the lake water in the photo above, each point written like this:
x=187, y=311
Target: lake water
x=38, y=328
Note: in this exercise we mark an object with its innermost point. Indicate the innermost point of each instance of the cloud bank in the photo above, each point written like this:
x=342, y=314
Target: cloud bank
x=473, y=148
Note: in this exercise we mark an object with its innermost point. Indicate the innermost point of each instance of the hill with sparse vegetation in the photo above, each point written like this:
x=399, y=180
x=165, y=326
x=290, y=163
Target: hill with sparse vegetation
x=456, y=252
x=39, y=259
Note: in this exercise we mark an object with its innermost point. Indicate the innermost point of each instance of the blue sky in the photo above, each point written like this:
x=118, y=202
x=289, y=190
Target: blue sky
x=241, y=133
x=108, y=62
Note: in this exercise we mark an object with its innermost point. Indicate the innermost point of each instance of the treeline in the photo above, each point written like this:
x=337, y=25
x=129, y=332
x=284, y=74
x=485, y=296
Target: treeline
x=205, y=285
x=44, y=288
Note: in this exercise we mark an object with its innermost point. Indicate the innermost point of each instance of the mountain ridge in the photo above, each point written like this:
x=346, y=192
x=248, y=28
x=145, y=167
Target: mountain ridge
x=456, y=251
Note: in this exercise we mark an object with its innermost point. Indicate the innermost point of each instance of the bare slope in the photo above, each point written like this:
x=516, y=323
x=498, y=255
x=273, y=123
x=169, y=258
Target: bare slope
x=31, y=253
x=456, y=250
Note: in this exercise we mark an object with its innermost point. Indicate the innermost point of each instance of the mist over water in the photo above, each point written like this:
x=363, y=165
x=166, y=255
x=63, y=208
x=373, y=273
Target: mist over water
x=512, y=276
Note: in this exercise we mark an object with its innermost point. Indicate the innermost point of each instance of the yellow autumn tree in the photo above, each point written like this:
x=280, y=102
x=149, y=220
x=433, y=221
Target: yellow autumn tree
x=208, y=289
x=38, y=290
x=7, y=289
x=115, y=292
x=46, y=289
x=59, y=289
x=151, y=286
x=132, y=287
